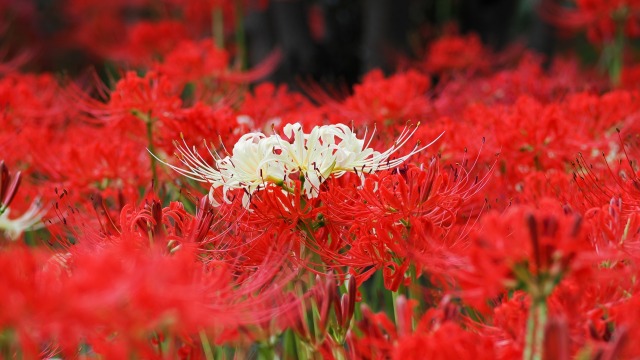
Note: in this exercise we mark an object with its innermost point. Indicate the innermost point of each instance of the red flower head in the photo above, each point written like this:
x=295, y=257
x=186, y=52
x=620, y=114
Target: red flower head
x=454, y=53
x=524, y=248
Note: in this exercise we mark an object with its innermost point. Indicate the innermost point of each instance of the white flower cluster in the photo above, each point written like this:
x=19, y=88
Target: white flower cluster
x=257, y=160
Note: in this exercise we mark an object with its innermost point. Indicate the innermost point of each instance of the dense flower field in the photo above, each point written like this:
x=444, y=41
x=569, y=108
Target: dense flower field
x=473, y=204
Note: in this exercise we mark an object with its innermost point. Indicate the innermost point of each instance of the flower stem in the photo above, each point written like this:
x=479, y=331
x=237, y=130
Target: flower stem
x=413, y=293
x=394, y=300
x=218, y=26
x=241, y=43
x=616, y=61
x=152, y=150
x=535, y=330
x=206, y=347
x=615, y=49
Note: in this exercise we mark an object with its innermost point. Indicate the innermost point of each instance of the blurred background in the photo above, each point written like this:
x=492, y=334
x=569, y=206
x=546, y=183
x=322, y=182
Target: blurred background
x=329, y=41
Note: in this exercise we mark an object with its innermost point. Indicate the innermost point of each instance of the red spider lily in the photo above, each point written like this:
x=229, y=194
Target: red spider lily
x=551, y=11
x=623, y=314
x=149, y=40
x=134, y=101
x=92, y=23
x=619, y=187
x=191, y=61
x=586, y=308
x=574, y=327
x=597, y=16
x=460, y=344
x=277, y=267
x=104, y=268
x=396, y=216
x=630, y=76
x=612, y=229
x=528, y=76
x=207, y=67
x=405, y=193
x=371, y=100
x=240, y=237
x=453, y=53
x=33, y=100
x=436, y=336
x=104, y=292
x=530, y=133
x=524, y=249
x=199, y=229
x=509, y=321
x=148, y=97
x=282, y=208
x=270, y=107
x=201, y=123
x=276, y=221
x=152, y=224
x=116, y=169
x=381, y=100
x=515, y=129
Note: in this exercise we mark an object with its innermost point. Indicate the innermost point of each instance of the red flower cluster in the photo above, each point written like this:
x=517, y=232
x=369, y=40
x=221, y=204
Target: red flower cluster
x=284, y=232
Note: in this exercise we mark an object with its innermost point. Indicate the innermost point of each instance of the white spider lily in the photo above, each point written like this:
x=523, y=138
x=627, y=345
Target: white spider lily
x=258, y=159
x=30, y=220
x=250, y=166
x=307, y=154
x=353, y=155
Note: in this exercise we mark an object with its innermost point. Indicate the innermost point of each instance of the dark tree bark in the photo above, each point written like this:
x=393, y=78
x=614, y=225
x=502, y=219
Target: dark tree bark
x=385, y=26
x=491, y=19
x=294, y=37
x=260, y=38
x=541, y=35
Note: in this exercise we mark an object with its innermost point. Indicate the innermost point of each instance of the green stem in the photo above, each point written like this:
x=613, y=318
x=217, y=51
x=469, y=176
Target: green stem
x=218, y=26
x=616, y=48
x=615, y=67
x=528, y=347
x=6, y=340
x=339, y=354
x=394, y=300
x=295, y=347
x=307, y=230
x=241, y=43
x=536, y=324
x=165, y=346
x=266, y=350
x=221, y=353
x=152, y=150
x=290, y=345
x=206, y=347
x=413, y=293
x=541, y=324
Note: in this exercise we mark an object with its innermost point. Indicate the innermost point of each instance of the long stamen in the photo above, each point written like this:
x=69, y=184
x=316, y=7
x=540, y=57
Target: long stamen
x=318, y=151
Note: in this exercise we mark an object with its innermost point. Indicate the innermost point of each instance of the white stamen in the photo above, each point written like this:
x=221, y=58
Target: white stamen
x=258, y=159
